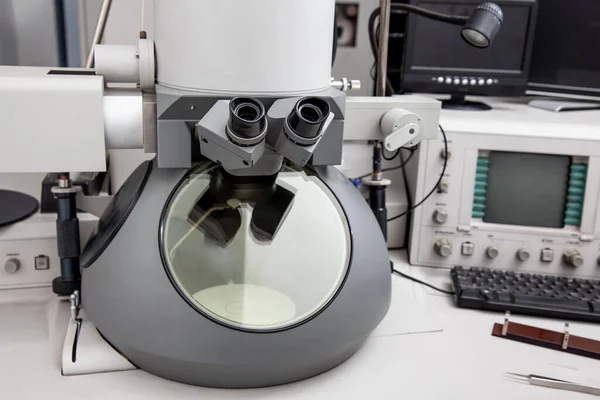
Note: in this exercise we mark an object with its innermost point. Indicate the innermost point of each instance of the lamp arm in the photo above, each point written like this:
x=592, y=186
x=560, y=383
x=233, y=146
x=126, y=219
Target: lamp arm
x=450, y=19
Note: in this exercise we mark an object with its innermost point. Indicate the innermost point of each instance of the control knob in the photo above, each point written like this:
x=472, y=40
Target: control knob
x=440, y=216
x=523, y=254
x=12, y=265
x=573, y=258
x=443, y=186
x=492, y=252
x=443, y=247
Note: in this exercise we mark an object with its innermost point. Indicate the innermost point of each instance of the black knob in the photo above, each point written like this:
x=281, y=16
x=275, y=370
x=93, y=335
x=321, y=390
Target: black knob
x=309, y=116
x=246, y=117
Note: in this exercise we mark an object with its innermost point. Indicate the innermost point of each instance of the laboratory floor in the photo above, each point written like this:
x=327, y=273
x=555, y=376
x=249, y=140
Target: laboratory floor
x=424, y=349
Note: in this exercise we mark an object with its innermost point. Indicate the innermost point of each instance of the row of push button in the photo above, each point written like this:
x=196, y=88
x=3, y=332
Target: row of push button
x=464, y=81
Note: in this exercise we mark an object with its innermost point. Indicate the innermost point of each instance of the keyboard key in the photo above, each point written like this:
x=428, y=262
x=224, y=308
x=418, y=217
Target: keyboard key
x=470, y=293
x=537, y=301
x=505, y=297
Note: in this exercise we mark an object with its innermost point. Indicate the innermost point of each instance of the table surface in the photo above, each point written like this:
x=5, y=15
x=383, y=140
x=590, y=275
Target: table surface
x=461, y=361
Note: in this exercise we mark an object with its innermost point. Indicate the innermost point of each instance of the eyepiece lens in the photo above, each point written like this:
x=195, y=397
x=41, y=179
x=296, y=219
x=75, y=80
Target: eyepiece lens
x=310, y=113
x=246, y=117
x=247, y=112
x=308, y=116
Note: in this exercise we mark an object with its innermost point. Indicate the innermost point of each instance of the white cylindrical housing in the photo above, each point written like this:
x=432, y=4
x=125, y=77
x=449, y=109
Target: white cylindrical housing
x=250, y=46
x=123, y=119
x=117, y=63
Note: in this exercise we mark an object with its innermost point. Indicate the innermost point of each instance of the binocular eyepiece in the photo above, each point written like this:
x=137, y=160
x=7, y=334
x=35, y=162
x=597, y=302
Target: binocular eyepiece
x=247, y=118
x=308, y=117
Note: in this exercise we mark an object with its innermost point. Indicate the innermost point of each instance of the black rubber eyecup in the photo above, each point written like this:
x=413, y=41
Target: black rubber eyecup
x=308, y=116
x=247, y=117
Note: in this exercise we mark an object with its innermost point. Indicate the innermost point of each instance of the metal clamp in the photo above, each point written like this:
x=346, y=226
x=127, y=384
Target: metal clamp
x=565, y=341
x=75, y=300
x=506, y=322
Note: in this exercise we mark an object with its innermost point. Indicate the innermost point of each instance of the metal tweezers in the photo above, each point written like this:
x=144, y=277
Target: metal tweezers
x=555, y=383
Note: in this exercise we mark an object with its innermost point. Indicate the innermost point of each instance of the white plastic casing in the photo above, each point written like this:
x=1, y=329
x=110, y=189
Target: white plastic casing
x=123, y=119
x=401, y=128
x=127, y=64
x=364, y=116
x=232, y=46
x=117, y=63
x=50, y=123
x=512, y=128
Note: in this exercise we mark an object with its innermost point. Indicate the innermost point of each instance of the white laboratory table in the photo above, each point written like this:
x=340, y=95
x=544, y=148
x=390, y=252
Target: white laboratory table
x=453, y=357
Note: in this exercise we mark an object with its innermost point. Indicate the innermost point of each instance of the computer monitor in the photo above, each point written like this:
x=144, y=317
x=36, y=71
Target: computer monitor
x=566, y=50
x=438, y=60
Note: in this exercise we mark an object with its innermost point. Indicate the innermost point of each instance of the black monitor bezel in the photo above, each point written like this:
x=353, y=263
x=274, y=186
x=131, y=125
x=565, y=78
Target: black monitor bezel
x=509, y=83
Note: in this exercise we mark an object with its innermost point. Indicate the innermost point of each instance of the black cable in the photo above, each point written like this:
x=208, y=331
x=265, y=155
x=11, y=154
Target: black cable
x=436, y=16
x=398, y=8
x=412, y=151
x=375, y=46
x=410, y=278
x=390, y=158
x=436, y=184
x=410, y=202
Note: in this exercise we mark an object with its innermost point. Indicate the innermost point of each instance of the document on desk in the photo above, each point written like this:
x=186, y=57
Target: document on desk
x=406, y=315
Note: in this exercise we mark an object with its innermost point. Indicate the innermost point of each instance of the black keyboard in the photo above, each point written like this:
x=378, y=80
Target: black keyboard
x=529, y=294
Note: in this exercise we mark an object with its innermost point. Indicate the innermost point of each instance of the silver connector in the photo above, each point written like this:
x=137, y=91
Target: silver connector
x=75, y=301
x=64, y=182
x=345, y=85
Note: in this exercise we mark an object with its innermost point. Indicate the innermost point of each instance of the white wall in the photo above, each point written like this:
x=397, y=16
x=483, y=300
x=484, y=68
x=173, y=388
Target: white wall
x=124, y=21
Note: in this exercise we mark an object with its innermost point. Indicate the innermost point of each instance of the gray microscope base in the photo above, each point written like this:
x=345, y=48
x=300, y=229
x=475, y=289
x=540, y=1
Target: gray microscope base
x=128, y=296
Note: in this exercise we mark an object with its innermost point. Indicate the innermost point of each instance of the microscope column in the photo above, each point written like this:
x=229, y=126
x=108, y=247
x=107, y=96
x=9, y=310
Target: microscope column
x=67, y=236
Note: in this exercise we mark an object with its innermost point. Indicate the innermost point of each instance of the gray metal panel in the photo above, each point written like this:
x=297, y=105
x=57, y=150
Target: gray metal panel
x=71, y=27
x=29, y=33
x=129, y=297
x=175, y=104
x=181, y=106
x=8, y=44
x=216, y=146
x=329, y=151
x=174, y=144
x=276, y=115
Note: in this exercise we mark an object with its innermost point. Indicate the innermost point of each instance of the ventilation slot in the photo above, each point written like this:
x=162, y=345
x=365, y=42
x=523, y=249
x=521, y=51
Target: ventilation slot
x=481, y=183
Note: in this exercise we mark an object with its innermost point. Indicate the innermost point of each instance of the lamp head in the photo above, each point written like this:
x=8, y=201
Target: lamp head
x=483, y=25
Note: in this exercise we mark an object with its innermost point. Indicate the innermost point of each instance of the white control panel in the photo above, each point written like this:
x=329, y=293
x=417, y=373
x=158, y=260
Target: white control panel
x=448, y=230
x=28, y=251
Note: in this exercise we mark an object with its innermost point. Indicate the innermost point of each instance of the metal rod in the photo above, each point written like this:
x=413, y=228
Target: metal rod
x=382, y=57
x=83, y=31
x=99, y=32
